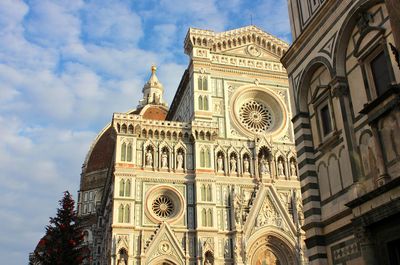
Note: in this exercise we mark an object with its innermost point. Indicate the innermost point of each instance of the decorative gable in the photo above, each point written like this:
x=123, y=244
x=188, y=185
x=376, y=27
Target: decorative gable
x=166, y=244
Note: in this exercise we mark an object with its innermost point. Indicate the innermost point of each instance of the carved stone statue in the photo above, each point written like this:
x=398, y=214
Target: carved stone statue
x=246, y=165
x=237, y=204
x=293, y=168
x=233, y=164
x=220, y=164
x=179, y=161
x=149, y=158
x=121, y=261
x=264, y=166
x=280, y=168
x=164, y=160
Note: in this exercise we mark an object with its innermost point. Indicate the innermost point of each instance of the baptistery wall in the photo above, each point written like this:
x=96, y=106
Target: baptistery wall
x=216, y=180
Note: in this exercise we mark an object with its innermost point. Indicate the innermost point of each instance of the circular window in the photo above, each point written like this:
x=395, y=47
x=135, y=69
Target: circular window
x=164, y=203
x=258, y=110
x=163, y=206
x=255, y=116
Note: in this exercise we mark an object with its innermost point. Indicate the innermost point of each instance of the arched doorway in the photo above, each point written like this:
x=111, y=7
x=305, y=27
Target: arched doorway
x=271, y=248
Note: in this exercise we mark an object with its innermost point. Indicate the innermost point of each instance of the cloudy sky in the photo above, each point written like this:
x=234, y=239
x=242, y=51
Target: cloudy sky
x=65, y=67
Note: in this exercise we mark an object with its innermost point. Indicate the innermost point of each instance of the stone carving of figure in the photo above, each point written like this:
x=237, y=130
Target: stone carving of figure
x=246, y=165
x=207, y=262
x=280, y=168
x=237, y=205
x=149, y=158
x=164, y=160
x=122, y=262
x=293, y=168
x=179, y=161
x=264, y=167
x=220, y=164
x=233, y=164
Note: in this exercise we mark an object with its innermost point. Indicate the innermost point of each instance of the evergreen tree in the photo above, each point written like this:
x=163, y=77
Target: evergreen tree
x=63, y=241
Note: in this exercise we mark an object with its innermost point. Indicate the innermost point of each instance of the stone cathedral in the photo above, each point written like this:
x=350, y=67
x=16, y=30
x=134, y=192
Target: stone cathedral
x=211, y=179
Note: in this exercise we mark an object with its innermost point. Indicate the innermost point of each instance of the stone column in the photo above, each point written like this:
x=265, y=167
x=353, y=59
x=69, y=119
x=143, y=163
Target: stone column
x=383, y=176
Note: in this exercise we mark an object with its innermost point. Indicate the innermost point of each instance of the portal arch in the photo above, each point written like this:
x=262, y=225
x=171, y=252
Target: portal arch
x=271, y=246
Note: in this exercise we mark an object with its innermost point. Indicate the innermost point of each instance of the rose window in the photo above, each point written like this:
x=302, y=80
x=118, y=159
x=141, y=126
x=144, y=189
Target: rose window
x=255, y=116
x=163, y=206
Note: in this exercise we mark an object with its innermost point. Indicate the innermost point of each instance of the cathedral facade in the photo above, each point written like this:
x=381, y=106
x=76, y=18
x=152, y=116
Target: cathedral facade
x=344, y=75
x=213, y=179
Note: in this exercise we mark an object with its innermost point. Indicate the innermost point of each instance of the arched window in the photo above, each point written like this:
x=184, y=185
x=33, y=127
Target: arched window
x=204, y=217
x=209, y=197
x=123, y=128
x=128, y=188
x=202, y=158
x=209, y=218
x=121, y=187
x=127, y=214
x=203, y=192
x=121, y=214
x=129, y=153
x=205, y=101
x=130, y=129
x=208, y=158
x=205, y=83
x=200, y=83
x=123, y=152
x=200, y=103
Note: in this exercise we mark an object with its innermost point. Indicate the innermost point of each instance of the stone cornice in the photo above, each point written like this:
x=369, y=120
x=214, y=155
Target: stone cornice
x=228, y=39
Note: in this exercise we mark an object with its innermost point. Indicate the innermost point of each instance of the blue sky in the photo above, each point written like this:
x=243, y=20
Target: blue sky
x=65, y=67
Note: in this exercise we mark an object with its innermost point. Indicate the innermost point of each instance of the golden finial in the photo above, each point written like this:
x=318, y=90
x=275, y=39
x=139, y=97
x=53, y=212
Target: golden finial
x=153, y=68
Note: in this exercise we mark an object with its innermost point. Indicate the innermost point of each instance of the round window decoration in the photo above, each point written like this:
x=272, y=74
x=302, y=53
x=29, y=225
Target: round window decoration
x=164, y=203
x=163, y=206
x=258, y=110
x=255, y=116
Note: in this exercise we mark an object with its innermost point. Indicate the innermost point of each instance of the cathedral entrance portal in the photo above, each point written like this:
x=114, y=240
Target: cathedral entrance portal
x=272, y=249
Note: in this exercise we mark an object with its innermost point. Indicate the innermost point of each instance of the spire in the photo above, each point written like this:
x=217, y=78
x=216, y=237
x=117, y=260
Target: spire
x=153, y=90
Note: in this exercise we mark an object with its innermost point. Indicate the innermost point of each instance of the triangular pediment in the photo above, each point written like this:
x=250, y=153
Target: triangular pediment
x=252, y=51
x=271, y=212
x=165, y=243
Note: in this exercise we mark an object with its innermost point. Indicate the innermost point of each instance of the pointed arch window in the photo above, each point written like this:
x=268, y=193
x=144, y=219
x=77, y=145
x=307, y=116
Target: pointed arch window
x=128, y=188
x=200, y=83
x=129, y=153
x=208, y=159
x=202, y=158
x=121, y=214
x=204, y=217
x=121, y=187
x=123, y=152
x=209, y=218
x=200, y=103
x=127, y=214
x=203, y=192
x=209, y=197
x=205, y=101
x=205, y=83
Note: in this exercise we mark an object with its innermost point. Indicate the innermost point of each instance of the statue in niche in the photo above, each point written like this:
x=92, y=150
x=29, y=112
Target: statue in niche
x=264, y=165
x=220, y=164
x=281, y=168
x=164, y=160
x=293, y=168
x=179, y=160
x=237, y=204
x=121, y=261
x=149, y=158
x=246, y=165
x=207, y=262
x=233, y=164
